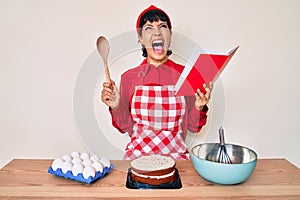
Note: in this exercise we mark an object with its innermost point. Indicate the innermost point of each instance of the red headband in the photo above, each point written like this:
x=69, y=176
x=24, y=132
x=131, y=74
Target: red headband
x=146, y=10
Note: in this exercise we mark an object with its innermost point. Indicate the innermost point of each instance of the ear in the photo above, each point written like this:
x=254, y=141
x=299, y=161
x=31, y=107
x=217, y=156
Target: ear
x=170, y=38
x=141, y=41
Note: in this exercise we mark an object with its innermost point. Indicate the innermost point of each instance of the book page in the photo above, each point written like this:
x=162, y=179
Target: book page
x=188, y=66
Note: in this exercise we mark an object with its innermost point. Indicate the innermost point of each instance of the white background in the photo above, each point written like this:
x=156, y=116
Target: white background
x=43, y=45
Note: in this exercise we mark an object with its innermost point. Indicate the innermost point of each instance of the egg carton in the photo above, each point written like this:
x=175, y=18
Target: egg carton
x=79, y=177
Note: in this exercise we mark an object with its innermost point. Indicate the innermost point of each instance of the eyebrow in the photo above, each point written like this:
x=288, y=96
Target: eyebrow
x=150, y=23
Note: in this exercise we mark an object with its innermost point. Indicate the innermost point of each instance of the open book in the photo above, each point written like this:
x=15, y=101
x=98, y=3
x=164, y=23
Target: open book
x=201, y=68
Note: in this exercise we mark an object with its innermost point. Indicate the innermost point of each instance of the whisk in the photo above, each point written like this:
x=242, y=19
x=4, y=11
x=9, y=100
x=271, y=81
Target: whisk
x=218, y=152
x=223, y=157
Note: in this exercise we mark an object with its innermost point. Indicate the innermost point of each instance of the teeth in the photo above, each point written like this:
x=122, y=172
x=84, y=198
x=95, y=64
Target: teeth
x=157, y=43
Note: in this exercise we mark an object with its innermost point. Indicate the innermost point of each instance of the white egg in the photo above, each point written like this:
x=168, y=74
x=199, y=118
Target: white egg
x=105, y=162
x=67, y=158
x=57, y=163
x=87, y=162
x=75, y=154
x=98, y=166
x=88, y=171
x=67, y=166
x=77, y=168
x=84, y=156
x=94, y=158
x=76, y=160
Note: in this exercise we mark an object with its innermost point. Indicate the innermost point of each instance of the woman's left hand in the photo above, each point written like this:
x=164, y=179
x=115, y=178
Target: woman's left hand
x=203, y=99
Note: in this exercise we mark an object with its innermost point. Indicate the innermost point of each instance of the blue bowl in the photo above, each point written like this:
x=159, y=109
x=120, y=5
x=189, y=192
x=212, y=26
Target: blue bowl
x=243, y=159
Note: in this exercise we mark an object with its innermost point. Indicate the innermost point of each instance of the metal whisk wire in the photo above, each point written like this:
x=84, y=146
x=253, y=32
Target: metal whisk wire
x=223, y=156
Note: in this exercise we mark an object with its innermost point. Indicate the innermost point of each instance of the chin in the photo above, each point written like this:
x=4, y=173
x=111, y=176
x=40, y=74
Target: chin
x=159, y=56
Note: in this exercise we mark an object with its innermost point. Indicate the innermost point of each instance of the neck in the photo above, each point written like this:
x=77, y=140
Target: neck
x=156, y=63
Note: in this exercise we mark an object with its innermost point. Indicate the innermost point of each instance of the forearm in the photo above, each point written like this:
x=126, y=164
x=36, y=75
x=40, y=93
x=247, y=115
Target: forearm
x=196, y=118
x=121, y=119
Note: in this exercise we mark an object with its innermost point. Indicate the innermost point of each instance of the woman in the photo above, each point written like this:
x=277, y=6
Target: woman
x=146, y=106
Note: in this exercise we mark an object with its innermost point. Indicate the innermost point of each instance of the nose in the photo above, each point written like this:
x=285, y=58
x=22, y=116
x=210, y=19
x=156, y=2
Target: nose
x=157, y=31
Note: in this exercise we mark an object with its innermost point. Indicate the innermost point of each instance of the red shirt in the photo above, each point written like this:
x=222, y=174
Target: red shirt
x=147, y=74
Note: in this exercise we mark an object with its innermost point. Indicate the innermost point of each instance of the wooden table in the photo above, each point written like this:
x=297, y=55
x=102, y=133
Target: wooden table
x=29, y=179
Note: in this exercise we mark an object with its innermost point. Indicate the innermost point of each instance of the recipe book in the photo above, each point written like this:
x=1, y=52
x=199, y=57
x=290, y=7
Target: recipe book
x=201, y=68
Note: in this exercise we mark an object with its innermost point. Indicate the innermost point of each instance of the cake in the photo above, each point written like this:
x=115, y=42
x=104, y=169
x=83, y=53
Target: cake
x=153, y=170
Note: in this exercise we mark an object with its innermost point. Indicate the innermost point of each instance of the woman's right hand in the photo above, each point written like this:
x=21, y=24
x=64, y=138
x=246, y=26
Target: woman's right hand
x=110, y=95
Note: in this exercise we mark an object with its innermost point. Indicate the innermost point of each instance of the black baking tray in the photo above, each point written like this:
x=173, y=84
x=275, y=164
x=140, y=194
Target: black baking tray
x=136, y=185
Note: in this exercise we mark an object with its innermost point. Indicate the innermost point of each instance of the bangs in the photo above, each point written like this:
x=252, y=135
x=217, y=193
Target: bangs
x=153, y=15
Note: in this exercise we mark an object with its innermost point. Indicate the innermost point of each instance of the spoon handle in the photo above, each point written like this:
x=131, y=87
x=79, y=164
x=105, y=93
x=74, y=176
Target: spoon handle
x=107, y=74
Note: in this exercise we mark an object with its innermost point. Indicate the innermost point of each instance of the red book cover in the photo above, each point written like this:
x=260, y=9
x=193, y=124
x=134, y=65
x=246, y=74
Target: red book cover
x=201, y=68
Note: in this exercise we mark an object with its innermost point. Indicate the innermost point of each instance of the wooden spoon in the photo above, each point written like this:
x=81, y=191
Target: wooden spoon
x=103, y=49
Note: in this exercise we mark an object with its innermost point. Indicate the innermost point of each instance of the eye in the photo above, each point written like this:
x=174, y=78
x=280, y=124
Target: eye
x=163, y=26
x=147, y=28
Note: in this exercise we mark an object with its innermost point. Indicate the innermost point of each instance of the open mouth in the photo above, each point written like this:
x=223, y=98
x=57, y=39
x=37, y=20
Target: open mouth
x=158, y=46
